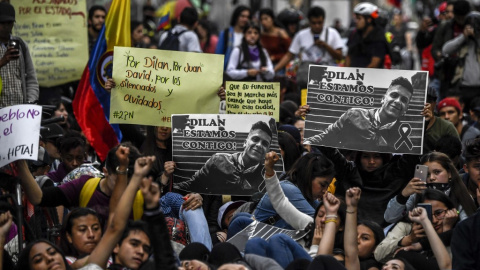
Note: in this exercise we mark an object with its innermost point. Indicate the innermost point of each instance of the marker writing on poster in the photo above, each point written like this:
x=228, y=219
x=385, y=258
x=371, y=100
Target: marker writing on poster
x=209, y=134
x=253, y=98
x=358, y=88
x=140, y=70
x=209, y=145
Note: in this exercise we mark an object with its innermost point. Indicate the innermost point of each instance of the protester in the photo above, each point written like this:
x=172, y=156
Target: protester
x=450, y=109
x=232, y=36
x=446, y=32
x=465, y=82
x=96, y=20
x=250, y=61
x=367, y=45
x=183, y=31
x=208, y=40
x=410, y=237
x=274, y=38
x=442, y=176
x=18, y=74
x=315, y=45
x=72, y=153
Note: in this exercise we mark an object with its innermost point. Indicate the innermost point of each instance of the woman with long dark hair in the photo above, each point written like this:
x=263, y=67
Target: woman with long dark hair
x=208, y=41
x=273, y=38
x=250, y=61
x=410, y=238
x=443, y=176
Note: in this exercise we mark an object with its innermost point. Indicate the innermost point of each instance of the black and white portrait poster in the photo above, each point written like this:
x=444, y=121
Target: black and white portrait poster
x=221, y=153
x=376, y=110
x=264, y=231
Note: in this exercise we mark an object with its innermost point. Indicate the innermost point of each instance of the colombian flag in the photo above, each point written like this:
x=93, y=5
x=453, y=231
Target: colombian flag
x=91, y=104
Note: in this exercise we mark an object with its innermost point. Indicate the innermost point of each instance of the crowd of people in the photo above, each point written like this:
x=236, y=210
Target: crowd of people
x=360, y=210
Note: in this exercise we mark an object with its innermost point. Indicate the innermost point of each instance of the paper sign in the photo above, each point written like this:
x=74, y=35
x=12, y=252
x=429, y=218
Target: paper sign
x=151, y=85
x=19, y=133
x=376, y=110
x=253, y=98
x=56, y=34
x=222, y=153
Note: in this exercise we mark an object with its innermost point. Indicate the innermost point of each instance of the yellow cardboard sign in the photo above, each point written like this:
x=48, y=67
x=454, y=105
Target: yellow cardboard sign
x=151, y=85
x=253, y=98
x=303, y=97
x=56, y=34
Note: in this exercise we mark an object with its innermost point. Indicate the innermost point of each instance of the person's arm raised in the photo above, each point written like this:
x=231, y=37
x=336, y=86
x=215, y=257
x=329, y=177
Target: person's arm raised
x=352, y=197
x=5, y=223
x=30, y=186
x=119, y=219
x=284, y=208
x=332, y=204
x=121, y=181
x=444, y=261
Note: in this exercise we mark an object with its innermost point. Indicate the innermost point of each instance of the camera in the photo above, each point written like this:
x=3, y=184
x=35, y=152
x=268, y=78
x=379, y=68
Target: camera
x=13, y=44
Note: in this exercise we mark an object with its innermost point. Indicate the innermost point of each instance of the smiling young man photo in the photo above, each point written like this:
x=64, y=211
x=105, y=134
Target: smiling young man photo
x=370, y=128
x=240, y=173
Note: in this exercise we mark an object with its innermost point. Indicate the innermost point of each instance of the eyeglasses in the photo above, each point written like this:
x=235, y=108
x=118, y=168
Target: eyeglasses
x=440, y=214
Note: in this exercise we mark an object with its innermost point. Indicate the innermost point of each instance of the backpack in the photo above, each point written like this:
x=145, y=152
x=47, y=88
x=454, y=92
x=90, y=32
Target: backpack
x=171, y=42
x=91, y=185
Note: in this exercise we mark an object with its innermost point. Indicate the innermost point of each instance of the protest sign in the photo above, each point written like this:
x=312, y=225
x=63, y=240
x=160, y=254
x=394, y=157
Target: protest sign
x=375, y=110
x=19, y=132
x=222, y=153
x=56, y=34
x=151, y=85
x=253, y=98
x=264, y=231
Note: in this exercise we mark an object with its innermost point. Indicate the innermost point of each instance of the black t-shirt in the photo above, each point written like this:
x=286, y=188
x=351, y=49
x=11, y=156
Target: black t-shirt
x=362, y=50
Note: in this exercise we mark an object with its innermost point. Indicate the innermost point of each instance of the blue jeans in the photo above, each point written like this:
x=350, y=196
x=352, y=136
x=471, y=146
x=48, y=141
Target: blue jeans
x=239, y=222
x=279, y=247
x=265, y=208
x=171, y=204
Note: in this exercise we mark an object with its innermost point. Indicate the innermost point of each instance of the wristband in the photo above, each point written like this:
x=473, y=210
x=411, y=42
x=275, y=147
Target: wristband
x=121, y=172
x=331, y=220
x=350, y=212
x=331, y=216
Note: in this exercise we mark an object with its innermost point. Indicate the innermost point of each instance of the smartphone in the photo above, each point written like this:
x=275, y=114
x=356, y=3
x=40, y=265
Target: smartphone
x=421, y=172
x=13, y=43
x=316, y=37
x=428, y=208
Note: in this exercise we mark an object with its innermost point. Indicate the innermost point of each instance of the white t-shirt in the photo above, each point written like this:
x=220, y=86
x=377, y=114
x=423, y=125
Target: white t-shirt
x=237, y=39
x=303, y=43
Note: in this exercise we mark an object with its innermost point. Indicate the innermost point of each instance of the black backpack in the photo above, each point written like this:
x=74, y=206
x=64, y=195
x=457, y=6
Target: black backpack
x=171, y=42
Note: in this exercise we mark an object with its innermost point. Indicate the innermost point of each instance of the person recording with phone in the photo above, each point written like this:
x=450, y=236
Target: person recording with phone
x=19, y=83
x=442, y=176
x=417, y=240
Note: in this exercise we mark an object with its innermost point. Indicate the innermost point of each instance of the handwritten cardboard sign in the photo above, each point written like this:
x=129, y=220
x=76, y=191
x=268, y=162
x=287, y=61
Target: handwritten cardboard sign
x=151, y=85
x=253, y=98
x=56, y=34
x=19, y=132
x=376, y=110
x=222, y=153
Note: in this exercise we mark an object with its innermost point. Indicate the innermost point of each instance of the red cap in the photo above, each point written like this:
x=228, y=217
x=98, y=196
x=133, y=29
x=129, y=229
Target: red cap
x=449, y=102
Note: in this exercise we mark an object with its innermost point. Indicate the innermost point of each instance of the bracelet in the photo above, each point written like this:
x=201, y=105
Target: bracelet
x=121, y=172
x=350, y=212
x=331, y=220
x=331, y=216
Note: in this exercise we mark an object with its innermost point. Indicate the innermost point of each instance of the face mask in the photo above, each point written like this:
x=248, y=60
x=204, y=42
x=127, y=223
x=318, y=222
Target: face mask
x=444, y=187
